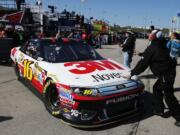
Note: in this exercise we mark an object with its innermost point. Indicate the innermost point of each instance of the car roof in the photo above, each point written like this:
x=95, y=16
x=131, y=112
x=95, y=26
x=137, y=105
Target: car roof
x=60, y=40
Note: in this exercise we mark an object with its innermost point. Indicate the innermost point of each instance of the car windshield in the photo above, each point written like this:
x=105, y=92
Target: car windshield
x=58, y=52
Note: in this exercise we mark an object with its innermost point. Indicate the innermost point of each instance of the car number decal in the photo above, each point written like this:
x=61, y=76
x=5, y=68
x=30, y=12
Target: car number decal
x=27, y=69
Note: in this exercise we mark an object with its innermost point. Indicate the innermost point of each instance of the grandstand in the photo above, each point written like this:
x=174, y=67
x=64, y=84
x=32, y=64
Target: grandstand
x=11, y=4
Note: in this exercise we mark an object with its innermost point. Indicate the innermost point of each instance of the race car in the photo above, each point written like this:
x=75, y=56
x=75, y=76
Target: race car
x=77, y=84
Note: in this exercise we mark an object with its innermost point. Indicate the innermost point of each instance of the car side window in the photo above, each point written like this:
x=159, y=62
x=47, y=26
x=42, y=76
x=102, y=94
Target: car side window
x=24, y=47
x=31, y=49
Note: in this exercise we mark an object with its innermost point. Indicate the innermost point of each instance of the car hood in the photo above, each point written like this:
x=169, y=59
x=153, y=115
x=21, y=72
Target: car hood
x=86, y=73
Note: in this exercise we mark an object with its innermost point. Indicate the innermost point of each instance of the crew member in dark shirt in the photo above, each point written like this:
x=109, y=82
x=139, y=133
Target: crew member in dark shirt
x=157, y=57
x=128, y=48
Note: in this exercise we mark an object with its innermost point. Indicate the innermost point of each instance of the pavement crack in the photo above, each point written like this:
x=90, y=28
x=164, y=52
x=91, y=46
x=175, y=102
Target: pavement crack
x=8, y=81
x=135, y=126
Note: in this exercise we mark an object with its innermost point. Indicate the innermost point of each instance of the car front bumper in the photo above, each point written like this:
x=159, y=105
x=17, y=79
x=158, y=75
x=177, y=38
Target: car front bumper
x=91, y=114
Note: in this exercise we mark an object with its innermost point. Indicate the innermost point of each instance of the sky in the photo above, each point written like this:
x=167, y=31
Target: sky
x=137, y=13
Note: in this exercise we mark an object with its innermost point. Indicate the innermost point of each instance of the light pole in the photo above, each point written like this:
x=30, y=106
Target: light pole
x=39, y=3
x=145, y=23
x=128, y=21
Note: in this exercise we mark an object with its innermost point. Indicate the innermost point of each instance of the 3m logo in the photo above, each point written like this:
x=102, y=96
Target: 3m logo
x=91, y=66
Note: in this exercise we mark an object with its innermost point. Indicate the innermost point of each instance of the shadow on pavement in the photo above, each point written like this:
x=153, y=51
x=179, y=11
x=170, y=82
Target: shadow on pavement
x=107, y=48
x=5, y=118
x=147, y=112
x=6, y=64
x=149, y=76
x=176, y=89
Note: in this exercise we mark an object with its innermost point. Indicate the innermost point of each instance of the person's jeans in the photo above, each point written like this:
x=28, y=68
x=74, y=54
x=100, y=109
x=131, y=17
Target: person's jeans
x=127, y=59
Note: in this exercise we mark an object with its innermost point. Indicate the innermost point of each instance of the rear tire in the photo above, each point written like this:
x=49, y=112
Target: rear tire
x=51, y=99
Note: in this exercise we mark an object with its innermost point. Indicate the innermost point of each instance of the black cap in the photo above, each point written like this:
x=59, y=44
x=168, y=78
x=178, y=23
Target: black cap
x=152, y=27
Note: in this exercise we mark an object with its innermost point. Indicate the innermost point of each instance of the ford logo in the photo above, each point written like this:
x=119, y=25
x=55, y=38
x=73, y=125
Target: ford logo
x=121, y=86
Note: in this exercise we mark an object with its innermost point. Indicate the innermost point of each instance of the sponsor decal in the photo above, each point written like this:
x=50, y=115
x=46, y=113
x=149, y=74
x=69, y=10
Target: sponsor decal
x=91, y=66
x=39, y=73
x=105, y=77
x=121, y=99
x=67, y=103
x=55, y=113
x=66, y=95
x=87, y=92
x=66, y=98
x=40, y=78
x=27, y=69
x=75, y=113
x=65, y=110
x=20, y=58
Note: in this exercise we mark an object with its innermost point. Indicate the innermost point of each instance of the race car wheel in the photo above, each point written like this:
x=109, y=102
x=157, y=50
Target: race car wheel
x=51, y=99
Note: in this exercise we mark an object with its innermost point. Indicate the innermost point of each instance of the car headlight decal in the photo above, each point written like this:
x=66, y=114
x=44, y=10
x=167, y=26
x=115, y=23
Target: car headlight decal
x=86, y=91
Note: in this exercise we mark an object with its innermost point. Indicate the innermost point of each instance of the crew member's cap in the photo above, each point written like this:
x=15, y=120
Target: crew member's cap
x=152, y=27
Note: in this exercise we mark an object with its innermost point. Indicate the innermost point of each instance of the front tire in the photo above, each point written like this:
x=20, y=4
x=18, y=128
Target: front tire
x=51, y=99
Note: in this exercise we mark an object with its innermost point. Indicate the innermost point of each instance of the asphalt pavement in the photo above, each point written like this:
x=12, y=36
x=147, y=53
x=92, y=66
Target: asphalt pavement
x=23, y=113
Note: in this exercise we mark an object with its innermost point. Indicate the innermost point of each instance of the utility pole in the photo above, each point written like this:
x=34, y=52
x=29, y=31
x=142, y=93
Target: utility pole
x=39, y=3
x=178, y=15
x=145, y=23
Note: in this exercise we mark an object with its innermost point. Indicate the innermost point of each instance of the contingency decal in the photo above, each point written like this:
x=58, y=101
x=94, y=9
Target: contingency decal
x=91, y=66
x=39, y=73
x=21, y=58
x=65, y=96
x=27, y=69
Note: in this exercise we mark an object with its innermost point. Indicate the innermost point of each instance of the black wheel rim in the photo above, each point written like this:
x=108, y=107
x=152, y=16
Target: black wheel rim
x=53, y=98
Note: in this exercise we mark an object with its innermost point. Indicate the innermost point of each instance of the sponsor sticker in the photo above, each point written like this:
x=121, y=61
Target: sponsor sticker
x=40, y=78
x=91, y=66
x=66, y=110
x=20, y=58
x=66, y=98
x=66, y=95
x=75, y=113
x=55, y=113
x=87, y=92
x=105, y=77
x=121, y=99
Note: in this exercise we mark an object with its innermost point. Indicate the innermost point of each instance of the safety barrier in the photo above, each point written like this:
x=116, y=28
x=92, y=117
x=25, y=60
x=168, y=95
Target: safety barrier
x=6, y=45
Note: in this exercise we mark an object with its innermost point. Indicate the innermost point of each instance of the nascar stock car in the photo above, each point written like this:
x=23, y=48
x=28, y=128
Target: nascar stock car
x=77, y=84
